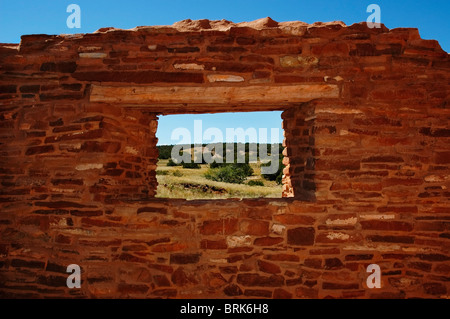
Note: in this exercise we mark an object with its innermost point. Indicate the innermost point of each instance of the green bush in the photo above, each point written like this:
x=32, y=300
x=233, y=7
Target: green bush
x=278, y=175
x=255, y=183
x=191, y=165
x=172, y=163
x=230, y=173
x=177, y=173
x=162, y=172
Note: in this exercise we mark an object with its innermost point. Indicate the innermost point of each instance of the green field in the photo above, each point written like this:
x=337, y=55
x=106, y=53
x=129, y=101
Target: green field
x=179, y=182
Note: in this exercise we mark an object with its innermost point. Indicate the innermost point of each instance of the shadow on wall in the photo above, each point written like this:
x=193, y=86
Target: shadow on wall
x=299, y=128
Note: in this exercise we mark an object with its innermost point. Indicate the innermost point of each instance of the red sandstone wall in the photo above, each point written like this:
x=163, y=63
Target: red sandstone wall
x=368, y=169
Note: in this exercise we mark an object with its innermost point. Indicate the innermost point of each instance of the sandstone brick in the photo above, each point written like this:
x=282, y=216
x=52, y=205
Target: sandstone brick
x=63, y=67
x=333, y=263
x=386, y=225
x=40, y=149
x=435, y=288
x=184, y=258
x=268, y=241
x=213, y=244
x=254, y=227
x=267, y=267
x=339, y=286
x=313, y=263
x=252, y=280
x=302, y=236
x=20, y=263
x=391, y=239
x=127, y=289
x=258, y=293
x=283, y=257
x=291, y=219
x=224, y=227
x=233, y=290
x=8, y=89
x=139, y=77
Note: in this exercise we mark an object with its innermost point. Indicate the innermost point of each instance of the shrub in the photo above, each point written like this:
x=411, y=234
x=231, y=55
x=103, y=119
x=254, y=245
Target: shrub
x=177, y=173
x=278, y=175
x=172, y=163
x=255, y=183
x=230, y=173
x=162, y=172
x=191, y=165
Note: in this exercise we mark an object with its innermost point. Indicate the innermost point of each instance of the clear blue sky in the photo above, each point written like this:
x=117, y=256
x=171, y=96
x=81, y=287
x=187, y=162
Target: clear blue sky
x=18, y=17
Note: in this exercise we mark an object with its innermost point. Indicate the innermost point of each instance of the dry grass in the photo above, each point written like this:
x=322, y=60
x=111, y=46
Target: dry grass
x=193, y=185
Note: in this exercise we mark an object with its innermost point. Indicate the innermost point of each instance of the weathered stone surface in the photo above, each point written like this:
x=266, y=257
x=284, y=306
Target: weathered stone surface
x=301, y=236
x=366, y=149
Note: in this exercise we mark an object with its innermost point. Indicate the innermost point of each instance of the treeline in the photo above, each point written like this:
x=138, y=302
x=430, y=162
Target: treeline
x=165, y=151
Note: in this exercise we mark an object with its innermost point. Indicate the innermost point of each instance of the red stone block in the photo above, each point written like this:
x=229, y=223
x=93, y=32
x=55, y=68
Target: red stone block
x=52, y=281
x=283, y=257
x=333, y=264
x=267, y=267
x=99, y=223
x=291, y=219
x=268, y=241
x=127, y=289
x=386, y=225
x=442, y=157
x=258, y=293
x=383, y=159
x=252, y=280
x=281, y=294
x=433, y=257
x=313, y=263
x=8, y=89
x=162, y=248
x=359, y=257
x=100, y=147
x=305, y=292
x=62, y=67
x=20, y=263
x=182, y=259
x=254, y=227
x=213, y=244
x=402, y=181
x=339, y=286
x=254, y=58
x=301, y=236
x=331, y=49
x=224, y=227
x=39, y=150
x=324, y=251
x=84, y=135
x=232, y=290
x=166, y=293
x=139, y=77
x=336, y=164
x=435, y=288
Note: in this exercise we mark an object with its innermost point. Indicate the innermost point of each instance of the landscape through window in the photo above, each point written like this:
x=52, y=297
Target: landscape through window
x=217, y=156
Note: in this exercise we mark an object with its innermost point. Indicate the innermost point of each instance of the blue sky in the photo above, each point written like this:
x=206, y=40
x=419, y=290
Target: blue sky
x=18, y=17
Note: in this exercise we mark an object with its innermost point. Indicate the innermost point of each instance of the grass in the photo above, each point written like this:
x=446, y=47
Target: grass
x=178, y=182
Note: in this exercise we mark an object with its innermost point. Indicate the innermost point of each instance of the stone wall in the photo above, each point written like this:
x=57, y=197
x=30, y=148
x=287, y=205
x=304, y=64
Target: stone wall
x=367, y=149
